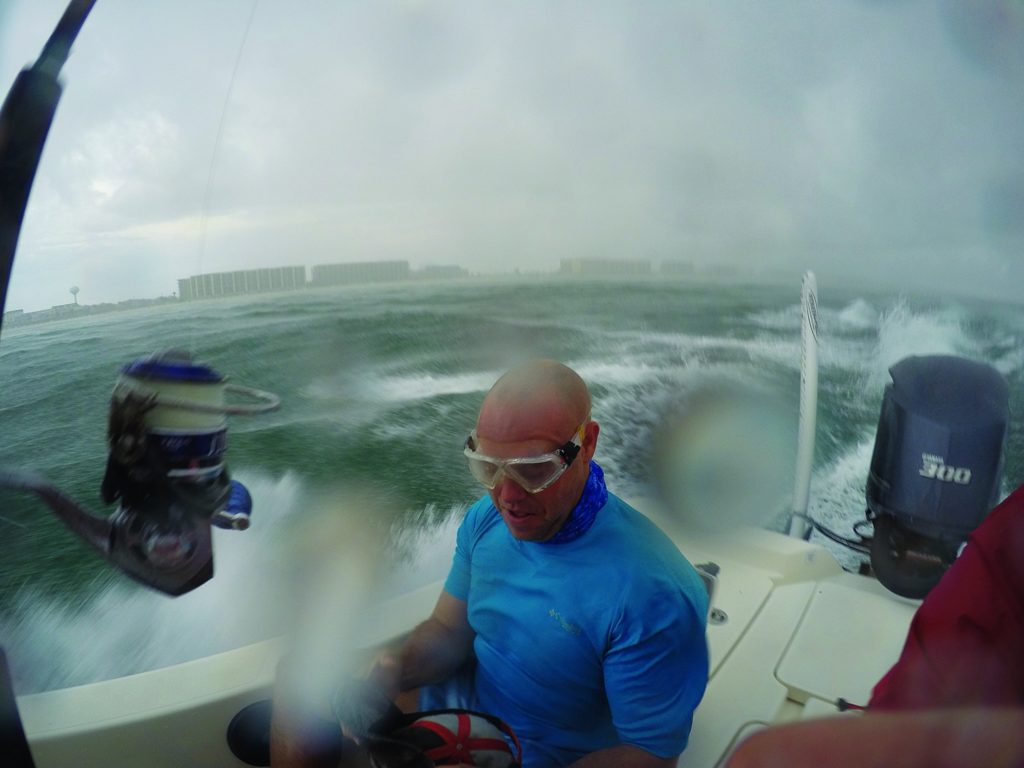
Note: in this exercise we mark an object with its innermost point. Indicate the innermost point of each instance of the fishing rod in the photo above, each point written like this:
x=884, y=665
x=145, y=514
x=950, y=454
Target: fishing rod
x=25, y=120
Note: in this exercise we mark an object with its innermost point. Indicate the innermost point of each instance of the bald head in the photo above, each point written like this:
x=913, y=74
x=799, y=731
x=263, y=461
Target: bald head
x=534, y=410
x=539, y=399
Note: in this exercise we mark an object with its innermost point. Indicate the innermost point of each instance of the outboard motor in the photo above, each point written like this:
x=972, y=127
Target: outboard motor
x=937, y=466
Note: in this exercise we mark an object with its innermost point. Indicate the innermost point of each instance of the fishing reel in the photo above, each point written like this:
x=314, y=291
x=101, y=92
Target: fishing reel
x=167, y=439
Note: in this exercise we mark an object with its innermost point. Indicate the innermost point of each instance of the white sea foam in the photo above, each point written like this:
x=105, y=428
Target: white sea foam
x=837, y=497
x=846, y=352
x=424, y=544
x=770, y=347
x=259, y=576
x=785, y=319
x=1011, y=362
x=785, y=350
x=128, y=629
x=426, y=385
x=664, y=351
x=421, y=386
x=903, y=332
x=623, y=373
x=631, y=414
x=858, y=314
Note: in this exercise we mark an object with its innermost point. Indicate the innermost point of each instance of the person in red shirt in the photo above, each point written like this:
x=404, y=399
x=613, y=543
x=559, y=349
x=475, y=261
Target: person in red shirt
x=966, y=643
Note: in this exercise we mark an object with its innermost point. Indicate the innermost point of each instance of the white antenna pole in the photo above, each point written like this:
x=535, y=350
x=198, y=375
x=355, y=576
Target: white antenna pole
x=798, y=522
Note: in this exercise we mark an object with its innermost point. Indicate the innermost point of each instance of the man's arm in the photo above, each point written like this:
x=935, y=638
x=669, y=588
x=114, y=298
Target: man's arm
x=624, y=756
x=655, y=674
x=433, y=652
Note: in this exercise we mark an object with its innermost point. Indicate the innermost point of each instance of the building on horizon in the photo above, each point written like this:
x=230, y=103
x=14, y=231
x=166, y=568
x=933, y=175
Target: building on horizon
x=440, y=272
x=719, y=270
x=17, y=317
x=599, y=267
x=350, y=273
x=677, y=267
x=216, y=284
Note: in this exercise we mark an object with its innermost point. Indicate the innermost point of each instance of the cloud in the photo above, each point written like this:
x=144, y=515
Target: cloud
x=844, y=135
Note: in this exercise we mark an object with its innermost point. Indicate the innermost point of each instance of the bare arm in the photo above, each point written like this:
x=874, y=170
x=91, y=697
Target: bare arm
x=624, y=756
x=433, y=652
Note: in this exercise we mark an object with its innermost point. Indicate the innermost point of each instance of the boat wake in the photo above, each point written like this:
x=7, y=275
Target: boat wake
x=261, y=575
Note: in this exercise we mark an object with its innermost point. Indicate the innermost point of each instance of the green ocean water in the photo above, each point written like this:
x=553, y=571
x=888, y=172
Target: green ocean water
x=379, y=387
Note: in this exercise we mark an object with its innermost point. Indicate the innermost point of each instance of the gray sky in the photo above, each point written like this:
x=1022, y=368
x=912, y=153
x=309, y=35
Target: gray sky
x=854, y=137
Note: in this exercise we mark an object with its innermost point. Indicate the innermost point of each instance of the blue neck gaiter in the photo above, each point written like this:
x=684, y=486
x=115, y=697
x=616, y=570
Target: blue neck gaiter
x=595, y=494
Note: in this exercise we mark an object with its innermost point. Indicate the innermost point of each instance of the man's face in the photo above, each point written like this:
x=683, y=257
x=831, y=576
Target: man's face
x=536, y=516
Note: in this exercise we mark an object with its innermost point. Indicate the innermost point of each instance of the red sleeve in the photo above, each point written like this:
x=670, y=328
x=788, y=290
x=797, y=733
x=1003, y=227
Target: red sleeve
x=966, y=642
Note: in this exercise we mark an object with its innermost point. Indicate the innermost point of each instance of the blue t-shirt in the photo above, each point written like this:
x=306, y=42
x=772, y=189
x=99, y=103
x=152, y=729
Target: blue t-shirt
x=587, y=644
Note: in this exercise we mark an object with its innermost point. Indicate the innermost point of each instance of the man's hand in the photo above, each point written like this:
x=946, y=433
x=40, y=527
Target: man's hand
x=386, y=673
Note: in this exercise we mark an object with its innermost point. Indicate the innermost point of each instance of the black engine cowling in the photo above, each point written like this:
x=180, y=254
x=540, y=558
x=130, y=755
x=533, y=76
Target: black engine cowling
x=937, y=466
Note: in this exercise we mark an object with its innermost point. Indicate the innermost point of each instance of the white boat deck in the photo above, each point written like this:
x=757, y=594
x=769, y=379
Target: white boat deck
x=796, y=633
x=799, y=634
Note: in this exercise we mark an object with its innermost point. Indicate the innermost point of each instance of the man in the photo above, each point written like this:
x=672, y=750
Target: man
x=582, y=625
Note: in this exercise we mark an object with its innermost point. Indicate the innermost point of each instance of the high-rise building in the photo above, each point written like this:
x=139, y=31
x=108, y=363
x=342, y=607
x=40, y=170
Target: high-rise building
x=214, y=284
x=597, y=267
x=360, y=272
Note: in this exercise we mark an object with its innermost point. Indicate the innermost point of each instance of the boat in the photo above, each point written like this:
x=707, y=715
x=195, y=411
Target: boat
x=792, y=635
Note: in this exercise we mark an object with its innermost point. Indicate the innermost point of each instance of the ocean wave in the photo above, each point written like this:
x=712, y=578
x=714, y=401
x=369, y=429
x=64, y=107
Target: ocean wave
x=620, y=374
x=664, y=350
x=902, y=332
x=423, y=542
x=420, y=386
x=1010, y=363
x=787, y=318
x=837, y=496
x=858, y=314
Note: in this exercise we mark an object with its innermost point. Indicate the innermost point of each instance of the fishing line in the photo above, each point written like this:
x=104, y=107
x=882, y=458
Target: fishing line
x=218, y=138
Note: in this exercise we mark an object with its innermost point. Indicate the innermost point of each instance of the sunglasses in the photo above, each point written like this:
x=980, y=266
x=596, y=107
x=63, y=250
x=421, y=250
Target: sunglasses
x=532, y=473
